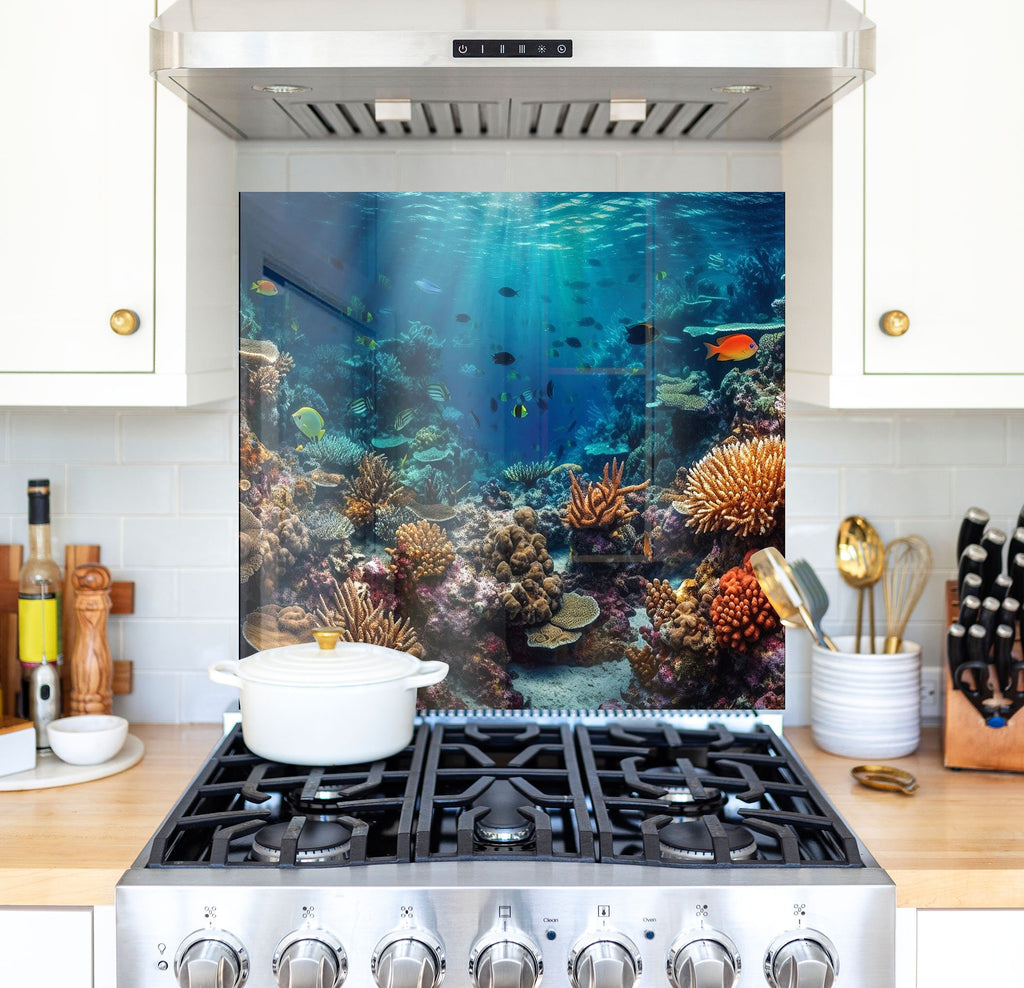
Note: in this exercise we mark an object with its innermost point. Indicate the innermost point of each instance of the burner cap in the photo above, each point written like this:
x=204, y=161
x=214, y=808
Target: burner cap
x=502, y=824
x=681, y=800
x=318, y=842
x=691, y=841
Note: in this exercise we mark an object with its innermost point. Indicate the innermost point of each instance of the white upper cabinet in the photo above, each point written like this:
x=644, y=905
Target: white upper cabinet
x=907, y=199
x=98, y=218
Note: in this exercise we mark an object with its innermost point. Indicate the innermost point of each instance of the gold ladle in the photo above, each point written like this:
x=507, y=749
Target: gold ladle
x=778, y=585
x=860, y=559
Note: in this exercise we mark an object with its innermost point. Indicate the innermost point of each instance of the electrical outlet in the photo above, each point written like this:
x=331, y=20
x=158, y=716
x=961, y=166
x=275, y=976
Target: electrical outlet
x=931, y=694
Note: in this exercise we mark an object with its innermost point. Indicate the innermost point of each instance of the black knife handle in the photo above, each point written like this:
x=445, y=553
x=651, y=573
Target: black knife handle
x=1017, y=575
x=972, y=560
x=977, y=644
x=1001, y=658
x=1009, y=612
x=1016, y=545
x=971, y=587
x=973, y=524
x=988, y=619
x=979, y=673
x=956, y=650
x=970, y=608
x=993, y=542
x=1000, y=586
x=1020, y=518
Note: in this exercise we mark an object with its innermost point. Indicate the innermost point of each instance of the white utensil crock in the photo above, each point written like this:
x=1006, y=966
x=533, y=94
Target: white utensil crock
x=306, y=706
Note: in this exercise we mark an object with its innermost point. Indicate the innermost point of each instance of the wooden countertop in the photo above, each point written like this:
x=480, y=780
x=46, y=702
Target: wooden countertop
x=958, y=843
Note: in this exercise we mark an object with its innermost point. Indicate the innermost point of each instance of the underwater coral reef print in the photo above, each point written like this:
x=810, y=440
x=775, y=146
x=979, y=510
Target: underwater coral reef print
x=535, y=435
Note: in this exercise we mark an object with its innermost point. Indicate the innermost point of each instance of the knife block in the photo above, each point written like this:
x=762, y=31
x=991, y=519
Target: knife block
x=967, y=741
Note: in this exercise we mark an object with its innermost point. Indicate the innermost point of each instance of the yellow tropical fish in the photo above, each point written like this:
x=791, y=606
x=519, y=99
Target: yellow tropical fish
x=309, y=422
x=264, y=287
x=367, y=341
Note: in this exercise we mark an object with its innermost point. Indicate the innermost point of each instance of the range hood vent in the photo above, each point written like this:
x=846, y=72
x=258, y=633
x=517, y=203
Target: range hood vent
x=356, y=120
x=697, y=69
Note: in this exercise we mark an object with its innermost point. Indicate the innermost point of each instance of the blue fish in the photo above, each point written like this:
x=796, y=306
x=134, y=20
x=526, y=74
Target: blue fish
x=427, y=287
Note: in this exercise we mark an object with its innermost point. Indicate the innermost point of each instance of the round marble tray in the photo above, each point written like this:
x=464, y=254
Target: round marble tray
x=50, y=771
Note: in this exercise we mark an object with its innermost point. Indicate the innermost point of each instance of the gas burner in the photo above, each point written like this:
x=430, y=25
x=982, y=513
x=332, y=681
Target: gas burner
x=691, y=841
x=682, y=802
x=326, y=803
x=319, y=843
x=502, y=824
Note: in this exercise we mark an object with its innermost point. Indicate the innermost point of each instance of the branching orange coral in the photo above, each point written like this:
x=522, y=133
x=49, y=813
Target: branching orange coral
x=737, y=487
x=353, y=614
x=602, y=505
x=425, y=546
x=741, y=613
x=375, y=485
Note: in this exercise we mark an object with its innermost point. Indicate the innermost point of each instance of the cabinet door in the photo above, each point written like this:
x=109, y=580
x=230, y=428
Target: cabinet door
x=944, y=208
x=76, y=200
x=43, y=946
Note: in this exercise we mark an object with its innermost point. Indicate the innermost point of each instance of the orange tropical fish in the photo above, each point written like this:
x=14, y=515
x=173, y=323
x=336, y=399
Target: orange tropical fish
x=264, y=287
x=737, y=346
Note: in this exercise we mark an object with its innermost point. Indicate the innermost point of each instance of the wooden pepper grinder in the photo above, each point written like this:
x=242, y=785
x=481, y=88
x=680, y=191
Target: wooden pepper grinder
x=92, y=670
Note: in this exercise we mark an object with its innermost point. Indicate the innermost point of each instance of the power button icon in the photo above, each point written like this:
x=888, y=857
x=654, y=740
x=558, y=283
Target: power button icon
x=463, y=49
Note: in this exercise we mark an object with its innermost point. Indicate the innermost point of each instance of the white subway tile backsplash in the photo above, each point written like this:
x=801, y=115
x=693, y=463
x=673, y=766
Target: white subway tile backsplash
x=755, y=172
x=176, y=437
x=75, y=437
x=156, y=591
x=208, y=593
x=999, y=490
x=865, y=440
x=181, y=541
x=14, y=478
x=209, y=490
x=572, y=170
x=896, y=493
x=114, y=489
x=452, y=173
x=155, y=698
x=366, y=172
x=651, y=172
x=811, y=492
x=203, y=701
x=179, y=645
x=964, y=439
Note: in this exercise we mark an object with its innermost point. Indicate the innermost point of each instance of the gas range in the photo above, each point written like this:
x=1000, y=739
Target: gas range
x=499, y=850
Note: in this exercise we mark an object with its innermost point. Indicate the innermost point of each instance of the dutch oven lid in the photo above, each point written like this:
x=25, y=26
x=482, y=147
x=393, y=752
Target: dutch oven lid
x=347, y=664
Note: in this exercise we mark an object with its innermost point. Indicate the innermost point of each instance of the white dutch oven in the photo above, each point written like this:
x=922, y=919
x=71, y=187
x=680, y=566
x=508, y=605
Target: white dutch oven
x=313, y=705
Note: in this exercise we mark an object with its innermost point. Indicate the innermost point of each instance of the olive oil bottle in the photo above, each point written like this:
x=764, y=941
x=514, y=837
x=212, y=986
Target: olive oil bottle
x=39, y=603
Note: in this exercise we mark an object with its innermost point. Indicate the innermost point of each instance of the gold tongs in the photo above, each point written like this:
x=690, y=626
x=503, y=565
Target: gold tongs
x=885, y=777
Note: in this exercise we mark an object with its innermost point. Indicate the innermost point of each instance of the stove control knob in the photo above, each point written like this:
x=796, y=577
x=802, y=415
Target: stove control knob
x=211, y=959
x=505, y=960
x=408, y=959
x=605, y=960
x=705, y=960
x=801, y=959
x=310, y=959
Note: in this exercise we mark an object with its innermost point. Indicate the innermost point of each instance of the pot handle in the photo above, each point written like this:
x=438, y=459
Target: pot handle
x=430, y=673
x=224, y=673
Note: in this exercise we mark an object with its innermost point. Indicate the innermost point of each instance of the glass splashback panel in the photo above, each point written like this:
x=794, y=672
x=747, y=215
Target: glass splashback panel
x=534, y=435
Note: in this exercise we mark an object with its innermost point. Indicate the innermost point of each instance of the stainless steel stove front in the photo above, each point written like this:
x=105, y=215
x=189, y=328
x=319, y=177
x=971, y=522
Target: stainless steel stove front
x=484, y=924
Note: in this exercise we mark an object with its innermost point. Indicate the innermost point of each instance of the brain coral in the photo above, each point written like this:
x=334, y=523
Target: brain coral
x=741, y=613
x=737, y=487
x=517, y=554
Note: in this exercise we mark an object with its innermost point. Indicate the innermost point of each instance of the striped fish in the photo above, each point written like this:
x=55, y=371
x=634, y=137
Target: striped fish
x=402, y=419
x=358, y=406
x=438, y=392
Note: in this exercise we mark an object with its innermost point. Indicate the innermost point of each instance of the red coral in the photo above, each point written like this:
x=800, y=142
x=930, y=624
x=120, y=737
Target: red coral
x=741, y=614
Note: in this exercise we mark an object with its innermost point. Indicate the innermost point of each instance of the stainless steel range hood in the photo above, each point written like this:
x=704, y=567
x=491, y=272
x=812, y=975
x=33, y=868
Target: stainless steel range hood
x=675, y=69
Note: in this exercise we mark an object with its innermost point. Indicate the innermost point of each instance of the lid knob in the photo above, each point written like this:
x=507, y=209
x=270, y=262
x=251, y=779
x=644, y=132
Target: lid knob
x=327, y=638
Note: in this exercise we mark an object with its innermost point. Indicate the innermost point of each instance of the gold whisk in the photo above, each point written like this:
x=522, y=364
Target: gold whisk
x=908, y=564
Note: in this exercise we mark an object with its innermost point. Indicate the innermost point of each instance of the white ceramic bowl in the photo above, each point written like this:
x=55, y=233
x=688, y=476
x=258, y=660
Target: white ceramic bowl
x=88, y=739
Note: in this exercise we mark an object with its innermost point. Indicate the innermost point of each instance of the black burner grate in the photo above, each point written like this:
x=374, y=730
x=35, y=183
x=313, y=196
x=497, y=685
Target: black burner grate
x=621, y=792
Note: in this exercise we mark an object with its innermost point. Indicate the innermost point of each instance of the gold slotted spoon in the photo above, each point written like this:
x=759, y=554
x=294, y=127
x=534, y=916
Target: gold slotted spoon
x=860, y=559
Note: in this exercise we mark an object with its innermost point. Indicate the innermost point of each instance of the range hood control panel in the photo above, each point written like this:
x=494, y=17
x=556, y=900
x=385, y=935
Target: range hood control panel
x=514, y=48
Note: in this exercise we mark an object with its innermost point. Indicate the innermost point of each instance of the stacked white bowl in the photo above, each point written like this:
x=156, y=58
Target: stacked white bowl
x=866, y=705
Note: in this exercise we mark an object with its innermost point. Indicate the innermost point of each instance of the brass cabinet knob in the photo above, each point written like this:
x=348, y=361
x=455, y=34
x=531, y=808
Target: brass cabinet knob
x=895, y=323
x=124, y=322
